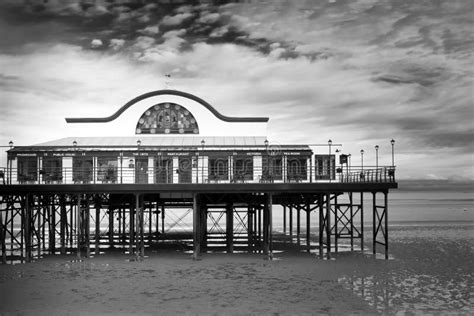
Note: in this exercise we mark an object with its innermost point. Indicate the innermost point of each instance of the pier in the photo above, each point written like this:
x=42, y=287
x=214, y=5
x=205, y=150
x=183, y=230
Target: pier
x=92, y=194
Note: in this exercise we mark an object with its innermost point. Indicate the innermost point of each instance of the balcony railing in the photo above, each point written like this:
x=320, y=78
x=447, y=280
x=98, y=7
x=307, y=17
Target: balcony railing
x=197, y=175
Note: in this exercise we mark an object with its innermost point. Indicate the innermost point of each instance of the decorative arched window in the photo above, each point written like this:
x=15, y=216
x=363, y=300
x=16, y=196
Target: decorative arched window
x=167, y=118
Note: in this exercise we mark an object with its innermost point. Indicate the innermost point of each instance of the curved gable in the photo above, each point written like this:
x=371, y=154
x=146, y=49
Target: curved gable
x=169, y=92
x=167, y=112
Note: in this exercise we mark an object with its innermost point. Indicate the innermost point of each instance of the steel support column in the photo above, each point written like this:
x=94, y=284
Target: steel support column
x=196, y=227
x=78, y=226
x=267, y=227
x=230, y=227
x=308, y=227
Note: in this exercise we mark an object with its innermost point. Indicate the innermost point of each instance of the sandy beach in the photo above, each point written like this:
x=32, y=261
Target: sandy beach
x=425, y=275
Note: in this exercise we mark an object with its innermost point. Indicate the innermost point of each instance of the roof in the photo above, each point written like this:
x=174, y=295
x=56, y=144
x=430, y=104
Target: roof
x=163, y=92
x=167, y=141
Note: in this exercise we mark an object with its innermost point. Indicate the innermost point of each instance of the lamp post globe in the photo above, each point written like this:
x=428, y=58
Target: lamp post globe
x=376, y=156
x=392, y=142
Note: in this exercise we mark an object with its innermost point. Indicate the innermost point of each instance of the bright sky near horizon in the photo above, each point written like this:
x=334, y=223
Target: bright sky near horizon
x=357, y=72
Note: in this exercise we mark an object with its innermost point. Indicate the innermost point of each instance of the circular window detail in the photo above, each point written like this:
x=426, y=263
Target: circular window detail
x=167, y=118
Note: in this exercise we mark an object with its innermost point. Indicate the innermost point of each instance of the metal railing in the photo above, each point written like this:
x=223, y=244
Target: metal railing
x=193, y=174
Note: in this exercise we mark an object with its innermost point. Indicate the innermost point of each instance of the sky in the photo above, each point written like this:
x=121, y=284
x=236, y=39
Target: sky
x=358, y=72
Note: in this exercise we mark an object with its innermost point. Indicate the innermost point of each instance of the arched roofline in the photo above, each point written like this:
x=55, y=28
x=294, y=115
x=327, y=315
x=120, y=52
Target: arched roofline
x=162, y=92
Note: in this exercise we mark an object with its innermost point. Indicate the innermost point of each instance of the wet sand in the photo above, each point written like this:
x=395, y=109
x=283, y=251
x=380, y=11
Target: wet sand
x=430, y=272
x=172, y=283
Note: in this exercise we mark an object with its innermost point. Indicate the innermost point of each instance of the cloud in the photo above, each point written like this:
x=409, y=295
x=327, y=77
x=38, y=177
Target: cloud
x=150, y=30
x=116, y=43
x=176, y=19
x=356, y=72
x=96, y=43
x=208, y=18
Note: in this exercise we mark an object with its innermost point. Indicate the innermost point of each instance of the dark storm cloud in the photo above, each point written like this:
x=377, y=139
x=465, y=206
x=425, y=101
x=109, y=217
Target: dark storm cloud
x=81, y=22
x=354, y=70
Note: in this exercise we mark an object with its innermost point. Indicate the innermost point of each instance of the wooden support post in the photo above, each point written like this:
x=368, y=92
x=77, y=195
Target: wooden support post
x=51, y=226
x=351, y=206
x=163, y=220
x=71, y=221
x=63, y=223
x=157, y=228
x=204, y=227
x=131, y=228
x=111, y=225
x=291, y=220
x=250, y=228
x=260, y=223
x=78, y=226
x=298, y=224
x=27, y=227
x=150, y=223
x=386, y=223
x=97, y=225
x=284, y=220
x=266, y=241
x=308, y=227
x=137, y=227
x=328, y=225
x=374, y=226
x=38, y=214
x=321, y=224
x=230, y=227
x=196, y=228
x=142, y=226
x=2, y=239
x=267, y=227
x=361, y=221
x=44, y=207
x=337, y=218
x=270, y=218
x=87, y=229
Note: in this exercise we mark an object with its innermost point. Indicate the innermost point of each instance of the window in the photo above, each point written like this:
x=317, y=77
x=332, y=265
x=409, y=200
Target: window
x=297, y=169
x=324, y=167
x=243, y=169
x=107, y=169
x=163, y=170
x=52, y=169
x=167, y=118
x=27, y=169
x=218, y=169
x=82, y=170
x=272, y=168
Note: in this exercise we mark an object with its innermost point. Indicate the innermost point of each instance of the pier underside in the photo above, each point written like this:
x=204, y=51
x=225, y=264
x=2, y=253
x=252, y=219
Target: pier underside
x=83, y=219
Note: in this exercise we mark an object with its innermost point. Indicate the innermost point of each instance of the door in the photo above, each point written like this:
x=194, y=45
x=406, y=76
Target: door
x=185, y=170
x=163, y=170
x=141, y=170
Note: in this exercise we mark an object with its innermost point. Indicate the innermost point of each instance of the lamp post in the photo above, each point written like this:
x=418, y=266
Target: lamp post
x=266, y=173
x=78, y=173
x=137, y=166
x=376, y=162
x=376, y=156
x=329, y=160
x=203, y=143
x=10, y=143
x=362, y=159
x=393, y=156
